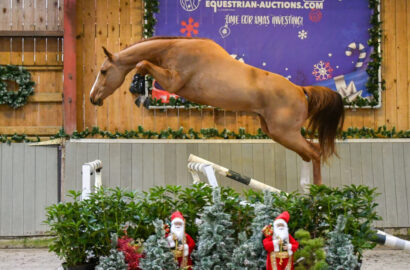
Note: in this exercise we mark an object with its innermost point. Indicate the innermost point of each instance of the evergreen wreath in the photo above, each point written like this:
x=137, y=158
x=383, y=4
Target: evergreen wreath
x=22, y=77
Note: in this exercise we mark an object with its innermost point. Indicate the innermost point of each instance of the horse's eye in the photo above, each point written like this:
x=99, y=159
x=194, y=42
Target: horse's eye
x=103, y=72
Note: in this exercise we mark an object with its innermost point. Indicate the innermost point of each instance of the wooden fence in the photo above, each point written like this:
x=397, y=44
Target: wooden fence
x=31, y=34
x=28, y=184
x=117, y=24
x=141, y=164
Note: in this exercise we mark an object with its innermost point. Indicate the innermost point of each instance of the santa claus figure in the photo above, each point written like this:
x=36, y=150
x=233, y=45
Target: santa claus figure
x=279, y=244
x=180, y=242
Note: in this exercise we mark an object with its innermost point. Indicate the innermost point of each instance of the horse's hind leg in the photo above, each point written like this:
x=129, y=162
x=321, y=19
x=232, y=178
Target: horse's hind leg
x=170, y=80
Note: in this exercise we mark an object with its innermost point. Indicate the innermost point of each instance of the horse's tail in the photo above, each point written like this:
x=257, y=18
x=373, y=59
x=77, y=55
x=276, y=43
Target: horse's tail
x=326, y=116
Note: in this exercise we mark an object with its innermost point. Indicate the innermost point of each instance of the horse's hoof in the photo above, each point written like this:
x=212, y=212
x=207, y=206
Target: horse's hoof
x=146, y=103
x=138, y=85
x=138, y=101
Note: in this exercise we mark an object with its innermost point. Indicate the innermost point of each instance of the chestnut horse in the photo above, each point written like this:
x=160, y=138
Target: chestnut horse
x=203, y=72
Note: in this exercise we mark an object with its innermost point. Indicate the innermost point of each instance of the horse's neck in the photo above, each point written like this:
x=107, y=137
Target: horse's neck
x=149, y=50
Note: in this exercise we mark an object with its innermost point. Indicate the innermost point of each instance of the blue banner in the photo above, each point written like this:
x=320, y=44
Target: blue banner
x=310, y=42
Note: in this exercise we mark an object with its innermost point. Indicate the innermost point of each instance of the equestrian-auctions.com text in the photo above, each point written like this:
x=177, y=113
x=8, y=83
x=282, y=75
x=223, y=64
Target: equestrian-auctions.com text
x=222, y=4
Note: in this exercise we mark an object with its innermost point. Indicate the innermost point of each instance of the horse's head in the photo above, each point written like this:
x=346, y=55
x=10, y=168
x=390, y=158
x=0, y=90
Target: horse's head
x=110, y=77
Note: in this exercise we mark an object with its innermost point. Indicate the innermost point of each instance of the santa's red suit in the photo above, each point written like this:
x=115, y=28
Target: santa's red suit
x=271, y=245
x=188, y=243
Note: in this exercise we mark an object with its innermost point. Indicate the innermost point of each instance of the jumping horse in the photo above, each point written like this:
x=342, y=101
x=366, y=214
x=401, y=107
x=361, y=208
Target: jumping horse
x=201, y=71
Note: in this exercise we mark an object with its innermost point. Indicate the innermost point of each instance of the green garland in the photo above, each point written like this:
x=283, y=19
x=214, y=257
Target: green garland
x=374, y=65
x=22, y=77
x=209, y=133
x=373, y=83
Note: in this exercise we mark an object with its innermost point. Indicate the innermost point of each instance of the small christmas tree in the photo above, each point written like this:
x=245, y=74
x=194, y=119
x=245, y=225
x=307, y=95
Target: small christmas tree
x=114, y=261
x=251, y=255
x=216, y=244
x=339, y=250
x=310, y=253
x=157, y=253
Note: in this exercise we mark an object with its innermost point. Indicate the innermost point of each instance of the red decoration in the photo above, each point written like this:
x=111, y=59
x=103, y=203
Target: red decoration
x=189, y=28
x=160, y=94
x=131, y=252
x=315, y=15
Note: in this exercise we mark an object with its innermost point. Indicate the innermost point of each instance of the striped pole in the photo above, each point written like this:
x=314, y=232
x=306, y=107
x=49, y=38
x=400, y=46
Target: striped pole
x=388, y=240
x=252, y=183
x=362, y=52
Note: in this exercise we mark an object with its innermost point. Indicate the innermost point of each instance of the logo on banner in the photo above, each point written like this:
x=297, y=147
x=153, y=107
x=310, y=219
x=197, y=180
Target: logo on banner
x=190, y=5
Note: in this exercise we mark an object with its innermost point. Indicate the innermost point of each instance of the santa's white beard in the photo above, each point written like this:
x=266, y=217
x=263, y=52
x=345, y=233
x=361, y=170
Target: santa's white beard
x=178, y=231
x=281, y=233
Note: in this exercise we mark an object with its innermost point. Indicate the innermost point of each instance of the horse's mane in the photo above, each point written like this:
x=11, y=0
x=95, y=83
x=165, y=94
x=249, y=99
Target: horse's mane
x=163, y=37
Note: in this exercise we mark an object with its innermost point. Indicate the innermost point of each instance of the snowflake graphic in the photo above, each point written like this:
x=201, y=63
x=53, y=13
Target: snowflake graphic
x=302, y=34
x=189, y=28
x=322, y=71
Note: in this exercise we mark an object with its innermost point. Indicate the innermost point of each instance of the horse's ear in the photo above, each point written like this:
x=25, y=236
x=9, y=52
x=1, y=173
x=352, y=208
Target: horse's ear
x=108, y=54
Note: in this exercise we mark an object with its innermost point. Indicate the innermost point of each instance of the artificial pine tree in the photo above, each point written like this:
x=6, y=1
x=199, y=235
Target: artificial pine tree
x=310, y=251
x=251, y=255
x=215, y=244
x=339, y=250
x=114, y=261
x=157, y=253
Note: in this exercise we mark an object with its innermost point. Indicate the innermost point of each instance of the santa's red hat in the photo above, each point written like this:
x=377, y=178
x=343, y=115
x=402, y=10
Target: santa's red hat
x=285, y=216
x=177, y=216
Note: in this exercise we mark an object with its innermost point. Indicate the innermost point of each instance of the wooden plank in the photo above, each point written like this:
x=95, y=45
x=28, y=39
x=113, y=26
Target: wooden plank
x=29, y=130
x=390, y=64
x=80, y=99
x=389, y=184
x=170, y=167
x=126, y=166
x=291, y=171
x=28, y=14
x=181, y=160
x=5, y=52
x=17, y=198
x=215, y=156
x=257, y=162
x=402, y=60
x=269, y=164
x=16, y=51
x=148, y=166
x=41, y=188
x=90, y=70
x=137, y=169
x=237, y=165
x=53, y=19
x=46, y=97
x=280, y=167
x=406, y=152
x=115, y=112
x=40, y=16
x=68, y=182
x=355, y=163
x=30, y=33
x=6, y=19
x=104, y=156
x=401, y=192
x=17, y=21
x=345, y=163
x=194, y=119
x=335, y=176
x=52, y=176
x=226, y=161
x=29, y=169
x=408, y=57
x=159, y=164
x=115, y=165
x=367, y=168
x=6, y=190
x=81, y=159
x=378, y=173
x=1, y=184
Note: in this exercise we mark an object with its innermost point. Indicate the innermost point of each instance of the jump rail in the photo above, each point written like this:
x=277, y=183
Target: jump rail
x=197, y=164
x=89, y=169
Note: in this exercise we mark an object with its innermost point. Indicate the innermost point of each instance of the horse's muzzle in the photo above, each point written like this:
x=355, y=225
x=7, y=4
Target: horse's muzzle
x=97, y=103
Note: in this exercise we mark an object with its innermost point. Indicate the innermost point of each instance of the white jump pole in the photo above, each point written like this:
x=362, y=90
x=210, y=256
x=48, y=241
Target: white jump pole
x=89, y=169
x=206, y=169
x=252, y=183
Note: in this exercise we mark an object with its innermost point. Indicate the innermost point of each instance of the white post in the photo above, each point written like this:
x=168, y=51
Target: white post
x=87, y=170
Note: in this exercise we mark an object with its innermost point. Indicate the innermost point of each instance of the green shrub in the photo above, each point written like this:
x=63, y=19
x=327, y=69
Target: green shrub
x=311, y=250
x=83, y=228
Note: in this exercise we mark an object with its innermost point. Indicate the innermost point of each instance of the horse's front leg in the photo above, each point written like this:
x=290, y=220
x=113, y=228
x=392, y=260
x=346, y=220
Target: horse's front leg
x=170, y=80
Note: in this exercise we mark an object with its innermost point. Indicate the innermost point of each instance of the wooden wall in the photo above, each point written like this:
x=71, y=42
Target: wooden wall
x=117, y=24
x=31, y=34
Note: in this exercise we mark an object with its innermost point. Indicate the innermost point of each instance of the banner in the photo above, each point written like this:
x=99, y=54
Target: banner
x=310, y=42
